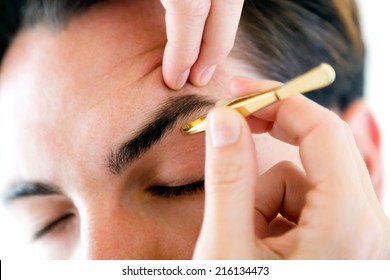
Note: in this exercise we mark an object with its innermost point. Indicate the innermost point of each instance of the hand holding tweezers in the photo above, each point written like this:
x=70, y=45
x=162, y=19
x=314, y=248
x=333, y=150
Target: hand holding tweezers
x=319, y=77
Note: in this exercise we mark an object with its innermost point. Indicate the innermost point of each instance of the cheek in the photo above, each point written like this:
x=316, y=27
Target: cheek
x=177, y=226
x=61, y=244
x=155, y=230
x=270, y=151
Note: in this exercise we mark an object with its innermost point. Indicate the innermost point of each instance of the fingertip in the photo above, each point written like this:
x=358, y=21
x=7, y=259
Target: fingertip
x=240, y=86
x=168, y=82
x=174, y=79
x=182, y=79
x=177, y=66
x=224, y=127
x=237, y=86
x=203, y=77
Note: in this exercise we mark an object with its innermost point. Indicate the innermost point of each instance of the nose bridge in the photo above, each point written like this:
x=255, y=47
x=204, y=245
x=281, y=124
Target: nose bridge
x=111, y=234
x=102, y=237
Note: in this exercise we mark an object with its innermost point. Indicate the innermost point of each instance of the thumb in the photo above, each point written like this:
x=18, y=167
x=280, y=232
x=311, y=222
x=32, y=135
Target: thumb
x=230, y=179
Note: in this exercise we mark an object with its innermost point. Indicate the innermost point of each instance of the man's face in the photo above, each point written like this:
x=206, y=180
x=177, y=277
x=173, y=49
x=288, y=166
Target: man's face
x=93, y=162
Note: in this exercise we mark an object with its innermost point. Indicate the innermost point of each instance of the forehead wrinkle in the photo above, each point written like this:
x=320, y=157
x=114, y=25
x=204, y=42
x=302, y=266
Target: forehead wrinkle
x=146, y=64
x=163, y=121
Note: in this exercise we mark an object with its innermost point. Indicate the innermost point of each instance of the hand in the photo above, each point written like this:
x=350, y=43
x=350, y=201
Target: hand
x=201, y=34
x=330, y=211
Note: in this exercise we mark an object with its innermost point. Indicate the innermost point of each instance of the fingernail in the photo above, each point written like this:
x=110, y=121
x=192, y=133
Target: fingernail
x=206, y=75
x=181, y=81
x=224, y=127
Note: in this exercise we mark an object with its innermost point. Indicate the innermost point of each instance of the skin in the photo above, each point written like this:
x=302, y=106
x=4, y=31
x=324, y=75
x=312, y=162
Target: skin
x=331, y=186
x=100, y=94
x=70, y=97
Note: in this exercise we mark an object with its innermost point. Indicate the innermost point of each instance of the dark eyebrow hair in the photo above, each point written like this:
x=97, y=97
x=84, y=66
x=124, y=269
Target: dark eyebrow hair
x=28, y=189
x=163, y=121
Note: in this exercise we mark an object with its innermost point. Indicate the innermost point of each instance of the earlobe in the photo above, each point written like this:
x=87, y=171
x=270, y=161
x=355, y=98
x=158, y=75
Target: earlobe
x=367, y=136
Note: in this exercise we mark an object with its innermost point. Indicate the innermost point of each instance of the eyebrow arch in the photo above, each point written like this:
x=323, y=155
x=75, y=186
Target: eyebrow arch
x=28, y=189
x=162, y=122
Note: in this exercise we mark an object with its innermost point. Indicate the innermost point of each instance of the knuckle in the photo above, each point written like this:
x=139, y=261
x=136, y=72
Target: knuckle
x=286, y=166
x=185, y=53
x=332, y=126
x=338, y=126
x=189, y=48
x=221, y=48
x=226, y=176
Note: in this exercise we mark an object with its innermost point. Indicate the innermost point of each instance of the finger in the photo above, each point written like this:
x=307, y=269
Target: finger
x=218, y=38
x=240, y=86
x=328, y=154
x=327, y=149
x=281, y=190
x=230, y=177
x=185, y=21
x=320, y=133
x=336, y=169
x=279, y=226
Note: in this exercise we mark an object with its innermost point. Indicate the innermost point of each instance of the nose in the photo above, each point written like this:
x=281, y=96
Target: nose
x=113, y=235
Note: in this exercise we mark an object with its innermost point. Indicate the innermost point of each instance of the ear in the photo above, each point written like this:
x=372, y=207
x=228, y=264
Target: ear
x=367, y=136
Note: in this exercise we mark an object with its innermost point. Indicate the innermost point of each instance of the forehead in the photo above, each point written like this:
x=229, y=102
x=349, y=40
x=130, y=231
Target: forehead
x=96, y=57
x=68, y=95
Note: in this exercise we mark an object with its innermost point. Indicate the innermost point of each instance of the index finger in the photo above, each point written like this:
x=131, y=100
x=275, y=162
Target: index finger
x=185, y=21
x=330, y=149
x=218, y=39
x=327, y=146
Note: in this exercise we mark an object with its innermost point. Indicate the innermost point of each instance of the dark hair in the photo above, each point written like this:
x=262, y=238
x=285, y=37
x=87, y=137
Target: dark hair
x=16, y=14
x=284, y=38
x=54, y=13
x=10, y=18
x=278, y=38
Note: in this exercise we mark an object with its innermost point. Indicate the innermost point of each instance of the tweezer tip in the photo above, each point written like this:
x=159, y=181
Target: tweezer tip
x=187, y=129
x=190, y=130
x=196, y=126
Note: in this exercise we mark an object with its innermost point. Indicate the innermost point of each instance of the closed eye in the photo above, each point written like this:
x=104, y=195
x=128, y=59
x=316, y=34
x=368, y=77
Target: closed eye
x=177, y=191
x=52, y=226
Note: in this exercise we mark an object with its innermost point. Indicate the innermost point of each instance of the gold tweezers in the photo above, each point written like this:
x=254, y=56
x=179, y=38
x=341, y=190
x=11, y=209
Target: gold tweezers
x=319, y=77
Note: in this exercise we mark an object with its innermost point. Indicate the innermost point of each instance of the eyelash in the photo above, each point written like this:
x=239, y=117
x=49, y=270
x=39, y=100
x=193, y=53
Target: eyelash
x=51, y=226
x=159, y=191
x=176, y=191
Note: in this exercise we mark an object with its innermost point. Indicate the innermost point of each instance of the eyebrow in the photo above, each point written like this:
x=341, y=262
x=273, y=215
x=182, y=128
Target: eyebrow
x=28, y=189
x=163, y=121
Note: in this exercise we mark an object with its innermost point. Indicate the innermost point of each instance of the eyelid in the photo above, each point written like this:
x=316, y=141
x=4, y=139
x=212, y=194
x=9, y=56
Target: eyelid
x=51, y=226
x=177, y=191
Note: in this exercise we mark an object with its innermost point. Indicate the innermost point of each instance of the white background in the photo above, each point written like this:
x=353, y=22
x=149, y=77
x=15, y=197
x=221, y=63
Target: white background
x=376, y=22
